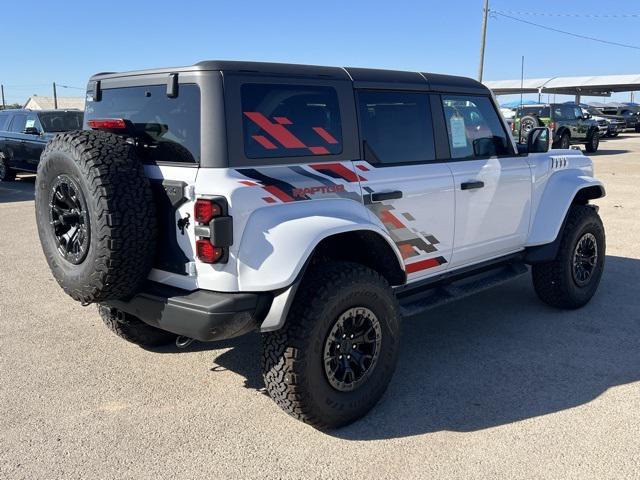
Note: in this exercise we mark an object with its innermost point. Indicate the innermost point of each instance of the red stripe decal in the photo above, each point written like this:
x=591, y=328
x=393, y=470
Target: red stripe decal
x=362, y=167
x=268, y=199
x=319, y=150
x=276, y=192
x=388, y=217
x=326, y=136
x=277, y=131
x=264, y=141
x=423, y=265
x=248, y=182
x=283, y=120
x=406, y=250
x=338, y=169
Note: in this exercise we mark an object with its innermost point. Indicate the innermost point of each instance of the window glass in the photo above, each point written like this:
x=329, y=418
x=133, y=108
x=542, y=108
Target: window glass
x=290, y=121
x=61, y=121
x=577, y=112
x=19, y=122
x=474, y=128
x=168, y=129
x=4, y=119
x=539, y=111
x=397, y=126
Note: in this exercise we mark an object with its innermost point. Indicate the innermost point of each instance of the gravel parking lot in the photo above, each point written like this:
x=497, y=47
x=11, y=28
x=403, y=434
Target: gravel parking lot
x=494, y=386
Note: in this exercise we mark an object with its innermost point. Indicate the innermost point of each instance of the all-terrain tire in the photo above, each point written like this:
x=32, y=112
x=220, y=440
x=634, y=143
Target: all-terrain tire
x=593, y=141
x=133, y=329
x=117, y=225
x=528, y=123
x=7, y=174
x=555, y=281
x=564, y=142
x=637, y=128
x=293, y=357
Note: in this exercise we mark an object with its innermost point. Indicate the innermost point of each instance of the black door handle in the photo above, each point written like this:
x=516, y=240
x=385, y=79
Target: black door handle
x=471, y=185
x=381, y=196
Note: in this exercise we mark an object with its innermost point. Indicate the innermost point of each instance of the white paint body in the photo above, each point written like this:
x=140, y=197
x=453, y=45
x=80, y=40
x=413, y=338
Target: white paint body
x=523, y=203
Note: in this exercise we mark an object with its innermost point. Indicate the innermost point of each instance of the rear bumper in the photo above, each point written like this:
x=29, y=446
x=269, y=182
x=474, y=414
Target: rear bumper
x=200, y=314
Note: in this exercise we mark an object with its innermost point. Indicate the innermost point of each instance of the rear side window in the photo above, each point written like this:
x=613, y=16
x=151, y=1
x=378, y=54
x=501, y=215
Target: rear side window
x=60, y=121
x=4, y=119
x=537, y=111
x=19, y=123
x=290, y=121
x=396, y=126
x=474, y=128
x=168, y=129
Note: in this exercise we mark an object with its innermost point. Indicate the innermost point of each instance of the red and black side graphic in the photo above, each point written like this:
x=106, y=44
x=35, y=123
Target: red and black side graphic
x=283, y=191
x=337, y=170
x=281, y=134
x=410, y=242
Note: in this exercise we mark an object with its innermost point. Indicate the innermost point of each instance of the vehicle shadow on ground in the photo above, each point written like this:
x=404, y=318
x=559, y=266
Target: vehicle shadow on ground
x=492, y=359
x=20, y=190
x=608, y=152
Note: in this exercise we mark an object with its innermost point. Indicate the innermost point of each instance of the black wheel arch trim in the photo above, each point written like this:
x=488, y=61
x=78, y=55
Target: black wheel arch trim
x=549, y=251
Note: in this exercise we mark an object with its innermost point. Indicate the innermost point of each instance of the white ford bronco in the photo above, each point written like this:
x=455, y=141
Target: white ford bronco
x=317, y=205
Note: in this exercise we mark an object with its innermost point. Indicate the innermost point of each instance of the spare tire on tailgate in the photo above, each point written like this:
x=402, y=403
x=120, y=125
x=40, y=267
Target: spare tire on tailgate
x=96, y=216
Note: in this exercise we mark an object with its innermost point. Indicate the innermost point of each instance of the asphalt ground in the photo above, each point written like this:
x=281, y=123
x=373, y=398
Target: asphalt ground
x=494, y=386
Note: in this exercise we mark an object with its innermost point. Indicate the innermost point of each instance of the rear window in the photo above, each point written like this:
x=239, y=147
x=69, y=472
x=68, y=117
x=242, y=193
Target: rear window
x=537, y=111
x=4, y=120
x=61, y=121
x=168, y=128
x=290, y=121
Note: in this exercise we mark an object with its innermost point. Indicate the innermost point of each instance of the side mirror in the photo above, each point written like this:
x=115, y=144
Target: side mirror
x=539, y=140
x=31, y=131
x=586, y=116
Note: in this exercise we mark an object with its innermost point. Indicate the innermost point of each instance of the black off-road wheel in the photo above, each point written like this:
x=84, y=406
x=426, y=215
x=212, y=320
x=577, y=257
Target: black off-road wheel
x=7, y=174
x=637, y=128
x=593, y=141
x=133, y=329
x=564, y=142
x=334, y=357
x=96, y=217
x=572, y=278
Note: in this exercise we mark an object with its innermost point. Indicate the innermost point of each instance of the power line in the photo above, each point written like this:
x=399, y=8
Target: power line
x=577, y=35
x=572, y=15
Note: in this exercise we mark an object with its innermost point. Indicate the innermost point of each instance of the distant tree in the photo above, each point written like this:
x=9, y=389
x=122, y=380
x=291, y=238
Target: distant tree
x=11, y=105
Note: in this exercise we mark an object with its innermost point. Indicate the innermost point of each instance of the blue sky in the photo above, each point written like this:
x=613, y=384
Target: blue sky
x=69, y=40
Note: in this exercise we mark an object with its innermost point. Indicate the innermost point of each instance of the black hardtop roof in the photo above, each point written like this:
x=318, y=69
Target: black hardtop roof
x=362, y=77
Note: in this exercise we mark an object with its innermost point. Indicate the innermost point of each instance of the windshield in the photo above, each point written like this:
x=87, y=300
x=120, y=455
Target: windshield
x=61, y=121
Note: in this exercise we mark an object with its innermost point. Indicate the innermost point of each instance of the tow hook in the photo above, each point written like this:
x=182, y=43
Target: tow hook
x=183, y=342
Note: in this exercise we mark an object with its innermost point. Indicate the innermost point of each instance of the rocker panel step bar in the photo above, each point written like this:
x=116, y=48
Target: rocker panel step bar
x=439, y=294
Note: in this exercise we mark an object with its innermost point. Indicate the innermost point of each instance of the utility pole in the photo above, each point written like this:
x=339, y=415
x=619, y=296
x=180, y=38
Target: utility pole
x=483, y=38
x=55, y=97
x=3, y=104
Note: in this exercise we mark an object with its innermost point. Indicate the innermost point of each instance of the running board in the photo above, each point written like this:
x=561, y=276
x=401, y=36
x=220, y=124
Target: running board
x=415, y=303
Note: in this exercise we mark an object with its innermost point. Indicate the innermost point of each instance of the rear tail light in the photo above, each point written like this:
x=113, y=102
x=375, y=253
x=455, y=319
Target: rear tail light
x=205, y=210
x=206, y=252
x=107, y=124
x=214, y=229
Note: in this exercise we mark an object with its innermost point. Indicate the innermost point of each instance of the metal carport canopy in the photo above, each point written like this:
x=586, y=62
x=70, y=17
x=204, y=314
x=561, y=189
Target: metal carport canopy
x=598, y=86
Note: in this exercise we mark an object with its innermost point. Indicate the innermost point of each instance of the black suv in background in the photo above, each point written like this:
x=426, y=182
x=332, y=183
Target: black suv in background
x=630, y=113
x=24, y=134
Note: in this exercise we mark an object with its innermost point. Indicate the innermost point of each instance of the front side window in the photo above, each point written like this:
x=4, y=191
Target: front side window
x=396, y=126
x=167, y=129
x=290, y=121
x=474, y=128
